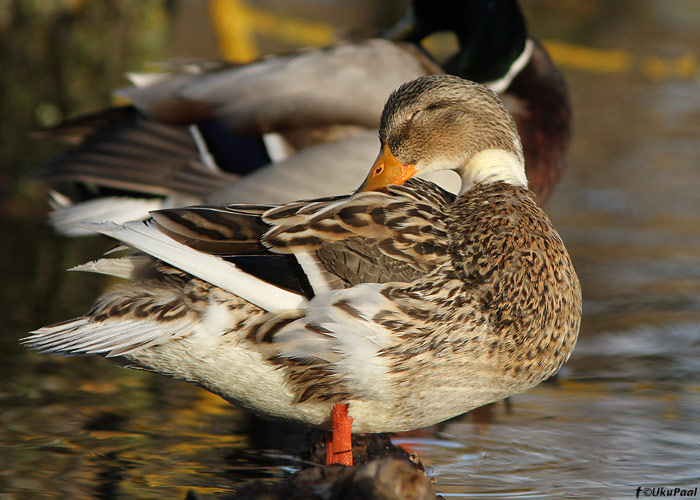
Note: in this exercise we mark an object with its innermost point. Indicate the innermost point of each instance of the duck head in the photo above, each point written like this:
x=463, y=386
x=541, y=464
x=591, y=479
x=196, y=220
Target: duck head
x=442, y=122
x=492, y=36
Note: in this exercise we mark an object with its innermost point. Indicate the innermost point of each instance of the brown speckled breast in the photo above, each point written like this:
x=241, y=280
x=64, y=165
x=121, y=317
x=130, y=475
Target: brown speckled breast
x=506, y=304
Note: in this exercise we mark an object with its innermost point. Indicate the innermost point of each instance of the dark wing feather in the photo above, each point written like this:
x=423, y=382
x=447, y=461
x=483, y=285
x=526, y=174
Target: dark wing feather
x=215, y=230
x=122, y=149
x=280, y=270
x=75, y=130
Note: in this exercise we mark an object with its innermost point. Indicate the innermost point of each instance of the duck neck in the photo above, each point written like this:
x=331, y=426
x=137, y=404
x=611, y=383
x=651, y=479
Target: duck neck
x=492, y=41
x=501, y=84
x=491, y=166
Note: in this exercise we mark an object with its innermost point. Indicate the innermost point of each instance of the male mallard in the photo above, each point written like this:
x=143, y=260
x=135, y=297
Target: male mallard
x=192, y=132
x=402, y=305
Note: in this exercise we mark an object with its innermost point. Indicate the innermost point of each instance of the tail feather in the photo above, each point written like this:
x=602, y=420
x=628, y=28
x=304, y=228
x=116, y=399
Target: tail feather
x=66, y=218
x=84, y=336
x=129, y=267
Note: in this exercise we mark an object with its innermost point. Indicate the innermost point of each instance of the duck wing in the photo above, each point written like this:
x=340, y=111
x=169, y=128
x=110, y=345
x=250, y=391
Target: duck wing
x=344, y=83
x=280, y=259
x=115, y=146
x=336, y=242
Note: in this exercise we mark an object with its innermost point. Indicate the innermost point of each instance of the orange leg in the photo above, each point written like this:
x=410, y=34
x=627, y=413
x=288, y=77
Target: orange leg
x=339, y=440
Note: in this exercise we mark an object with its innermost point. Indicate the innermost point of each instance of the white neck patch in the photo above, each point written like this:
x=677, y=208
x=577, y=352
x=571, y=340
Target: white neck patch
x=490, y=166
x=499, y=86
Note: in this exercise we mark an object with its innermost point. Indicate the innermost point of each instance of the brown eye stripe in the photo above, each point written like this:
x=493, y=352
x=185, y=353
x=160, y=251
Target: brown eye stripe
x=439, y=105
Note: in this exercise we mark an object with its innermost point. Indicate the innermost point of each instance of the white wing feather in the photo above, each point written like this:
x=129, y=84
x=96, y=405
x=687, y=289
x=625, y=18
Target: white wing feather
x=117, y=338
x=209, y=268
x=66, y=219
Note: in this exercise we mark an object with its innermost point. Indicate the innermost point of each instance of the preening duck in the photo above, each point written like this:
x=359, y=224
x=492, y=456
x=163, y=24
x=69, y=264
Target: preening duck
x=400, y=305
x=301, y=125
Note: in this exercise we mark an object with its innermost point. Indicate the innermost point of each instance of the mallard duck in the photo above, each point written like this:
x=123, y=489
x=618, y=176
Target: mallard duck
x=401, y=305
x=195, y=130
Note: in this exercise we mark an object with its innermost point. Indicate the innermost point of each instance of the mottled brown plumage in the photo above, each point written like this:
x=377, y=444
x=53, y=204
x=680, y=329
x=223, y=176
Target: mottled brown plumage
x=409, y=304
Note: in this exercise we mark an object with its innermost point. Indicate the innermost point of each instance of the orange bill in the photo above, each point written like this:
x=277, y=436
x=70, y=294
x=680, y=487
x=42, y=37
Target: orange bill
x=387, y=170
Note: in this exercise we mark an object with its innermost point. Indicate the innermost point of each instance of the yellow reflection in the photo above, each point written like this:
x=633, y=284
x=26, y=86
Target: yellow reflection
x=99, y=386
x=588, y=387
x=618, y=61
x=74, y=5
x=211, y=404
x=236, y=25
x=658, y=68
x=575, y=56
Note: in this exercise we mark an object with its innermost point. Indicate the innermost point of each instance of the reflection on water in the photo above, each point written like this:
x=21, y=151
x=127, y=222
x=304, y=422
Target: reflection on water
x=579, y=441
x=122, y=434
x=626, y=412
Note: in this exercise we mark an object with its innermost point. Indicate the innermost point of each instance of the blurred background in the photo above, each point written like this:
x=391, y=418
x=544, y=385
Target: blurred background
x=626, y=410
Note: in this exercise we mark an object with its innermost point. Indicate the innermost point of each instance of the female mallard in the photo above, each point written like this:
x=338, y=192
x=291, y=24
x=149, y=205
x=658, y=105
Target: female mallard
x=304, y=124
x=404, y=305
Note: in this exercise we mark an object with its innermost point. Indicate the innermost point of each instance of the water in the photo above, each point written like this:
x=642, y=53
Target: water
x=625, y=413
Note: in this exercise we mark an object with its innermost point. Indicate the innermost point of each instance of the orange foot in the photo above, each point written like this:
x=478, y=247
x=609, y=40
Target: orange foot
x=339, y=440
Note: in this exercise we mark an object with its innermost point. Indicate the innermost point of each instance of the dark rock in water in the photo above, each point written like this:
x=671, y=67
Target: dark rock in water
x=365, y=447
x=383, y=471
x=380, y=479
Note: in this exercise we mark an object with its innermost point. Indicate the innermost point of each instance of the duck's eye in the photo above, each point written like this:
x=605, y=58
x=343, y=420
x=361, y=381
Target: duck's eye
x=416, y=113
x=378, y=170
